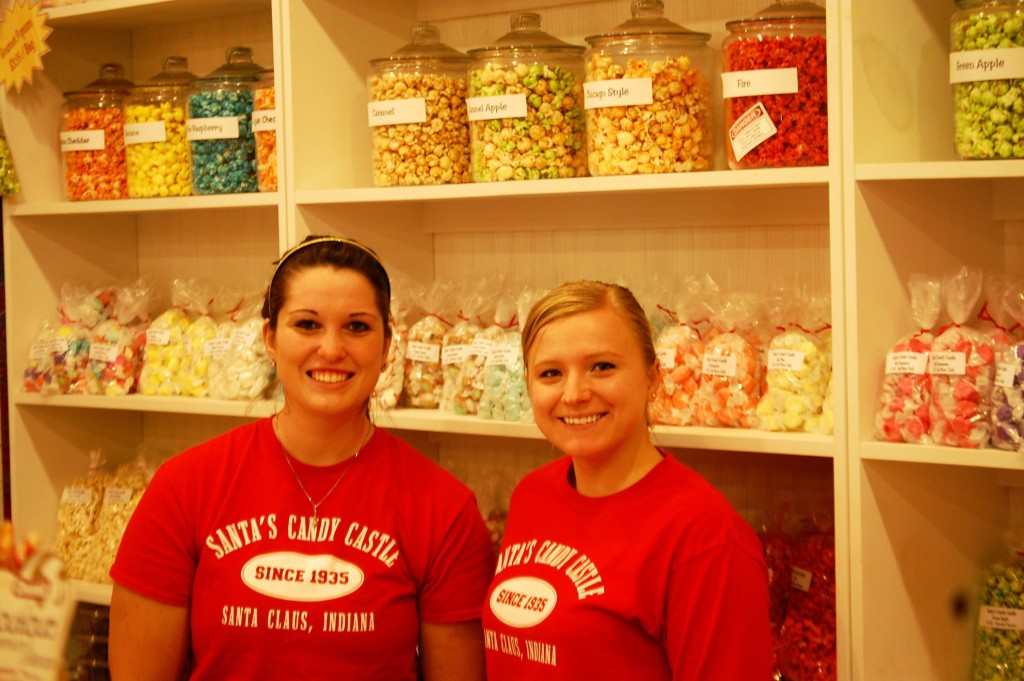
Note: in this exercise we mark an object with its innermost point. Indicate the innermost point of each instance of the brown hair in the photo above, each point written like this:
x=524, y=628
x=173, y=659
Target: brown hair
x=574, y=297
x=329, y=251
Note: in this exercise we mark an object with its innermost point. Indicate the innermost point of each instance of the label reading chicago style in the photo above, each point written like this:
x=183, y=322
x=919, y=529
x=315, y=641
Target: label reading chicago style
x=598, y=94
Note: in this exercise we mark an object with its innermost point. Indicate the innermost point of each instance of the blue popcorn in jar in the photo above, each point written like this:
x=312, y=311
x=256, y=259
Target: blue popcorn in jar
x=220, y=131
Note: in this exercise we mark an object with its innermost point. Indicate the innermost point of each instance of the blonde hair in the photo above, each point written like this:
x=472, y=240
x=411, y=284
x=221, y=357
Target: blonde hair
x=574, y=297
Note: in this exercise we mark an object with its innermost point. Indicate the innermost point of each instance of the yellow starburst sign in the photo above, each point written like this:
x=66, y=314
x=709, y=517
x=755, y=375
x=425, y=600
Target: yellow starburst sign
x=22, y=43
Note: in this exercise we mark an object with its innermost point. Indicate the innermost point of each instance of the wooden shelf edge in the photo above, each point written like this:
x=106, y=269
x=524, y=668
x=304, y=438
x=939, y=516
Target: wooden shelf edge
x=131, y=14
x=945, y=456
x=90, y=592
x=128, y=206
x=715, y=179
x=938, y=170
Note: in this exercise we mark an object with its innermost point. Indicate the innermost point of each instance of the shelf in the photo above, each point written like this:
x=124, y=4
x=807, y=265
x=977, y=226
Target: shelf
x=946, y=456
x=130, y=14
x=432, y=421
x=89, y=592
x=939, y=170
x=719, y=179
x=130, y=206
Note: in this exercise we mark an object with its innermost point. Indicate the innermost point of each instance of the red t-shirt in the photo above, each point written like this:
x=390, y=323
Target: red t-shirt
x=225, y=530
x=663, y=580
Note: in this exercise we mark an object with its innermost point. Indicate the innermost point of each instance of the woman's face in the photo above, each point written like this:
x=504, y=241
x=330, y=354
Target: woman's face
x=330, y=342
x=590, y=385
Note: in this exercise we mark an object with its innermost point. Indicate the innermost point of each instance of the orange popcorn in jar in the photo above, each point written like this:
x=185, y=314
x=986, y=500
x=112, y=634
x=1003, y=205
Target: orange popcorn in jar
x=264, y=128
x=92, y=138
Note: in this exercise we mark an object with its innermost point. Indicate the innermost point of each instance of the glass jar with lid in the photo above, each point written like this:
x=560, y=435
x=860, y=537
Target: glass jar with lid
x=220, y=107
x=775, y=85
x=92, y=137
x=648, y=96
x=987, y=79
x=156, y=145
x=525, y=106
x=264, y=129
x=417, y=113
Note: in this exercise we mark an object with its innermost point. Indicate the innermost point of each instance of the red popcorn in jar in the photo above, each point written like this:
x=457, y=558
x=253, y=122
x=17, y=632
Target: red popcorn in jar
x=775, y=84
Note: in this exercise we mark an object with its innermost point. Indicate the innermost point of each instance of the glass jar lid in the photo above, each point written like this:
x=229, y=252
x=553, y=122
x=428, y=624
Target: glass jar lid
x=525, y=36
x=785, y=12
x=111, y=81
x=426, y=45
x=648, y=21
x=238, y=66
x=175, y=72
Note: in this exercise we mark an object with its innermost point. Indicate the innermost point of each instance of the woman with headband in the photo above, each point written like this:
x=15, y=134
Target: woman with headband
x=310, y=544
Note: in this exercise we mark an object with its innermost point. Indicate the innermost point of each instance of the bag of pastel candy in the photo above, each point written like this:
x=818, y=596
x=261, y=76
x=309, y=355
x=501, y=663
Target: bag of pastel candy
x=1008, y=391
x=904, y=413
x=462, y=357
x=165, y=344
x=680, y=350
x=999, y=636
x=504, y=396
x=807, y=638
x=116, y=344
x=239, y=368
x=962, y=367
x=206, y=305
x=797, y=367
x=81, y=309
x=388, y=393
x=731, y=370
x=424, y=375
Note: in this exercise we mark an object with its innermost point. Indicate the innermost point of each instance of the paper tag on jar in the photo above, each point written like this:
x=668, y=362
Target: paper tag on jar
x=993, y=617
x=948, y=363
x=498, y=106
x=264, y=120
x=996, y=64
x=906, y=363
x=145, y=133
x=752, y=127
x=423, y=352
x=719, y=365
x=785, y=360
x=761, y=82
x=598, y=94
x=397, y=111
x=214, y=128
x=82, y=140
x=801, y=579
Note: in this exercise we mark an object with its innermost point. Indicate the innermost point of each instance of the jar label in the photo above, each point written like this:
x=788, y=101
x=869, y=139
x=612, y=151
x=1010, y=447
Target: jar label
x=498, y=106
x=264, y=120
x=785, y=360
x=914, y=363
x=143, y=133
x=948, y=363
x=397, y=111
x=719, y=365
x=82, y=140
x=751, y=128
x=598, y=94
x=760, y=82
x=996, y=64
x=215, y=128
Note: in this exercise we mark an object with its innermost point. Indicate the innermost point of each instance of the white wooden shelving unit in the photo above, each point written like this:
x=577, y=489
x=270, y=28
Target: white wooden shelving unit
x=914, y=525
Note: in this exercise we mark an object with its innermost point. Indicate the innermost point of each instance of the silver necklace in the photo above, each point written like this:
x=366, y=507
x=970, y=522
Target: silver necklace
x=317, y=504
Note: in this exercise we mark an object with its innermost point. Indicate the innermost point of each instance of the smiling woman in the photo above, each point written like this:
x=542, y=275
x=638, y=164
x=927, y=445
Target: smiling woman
x=310, y=544
x=617, y=560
